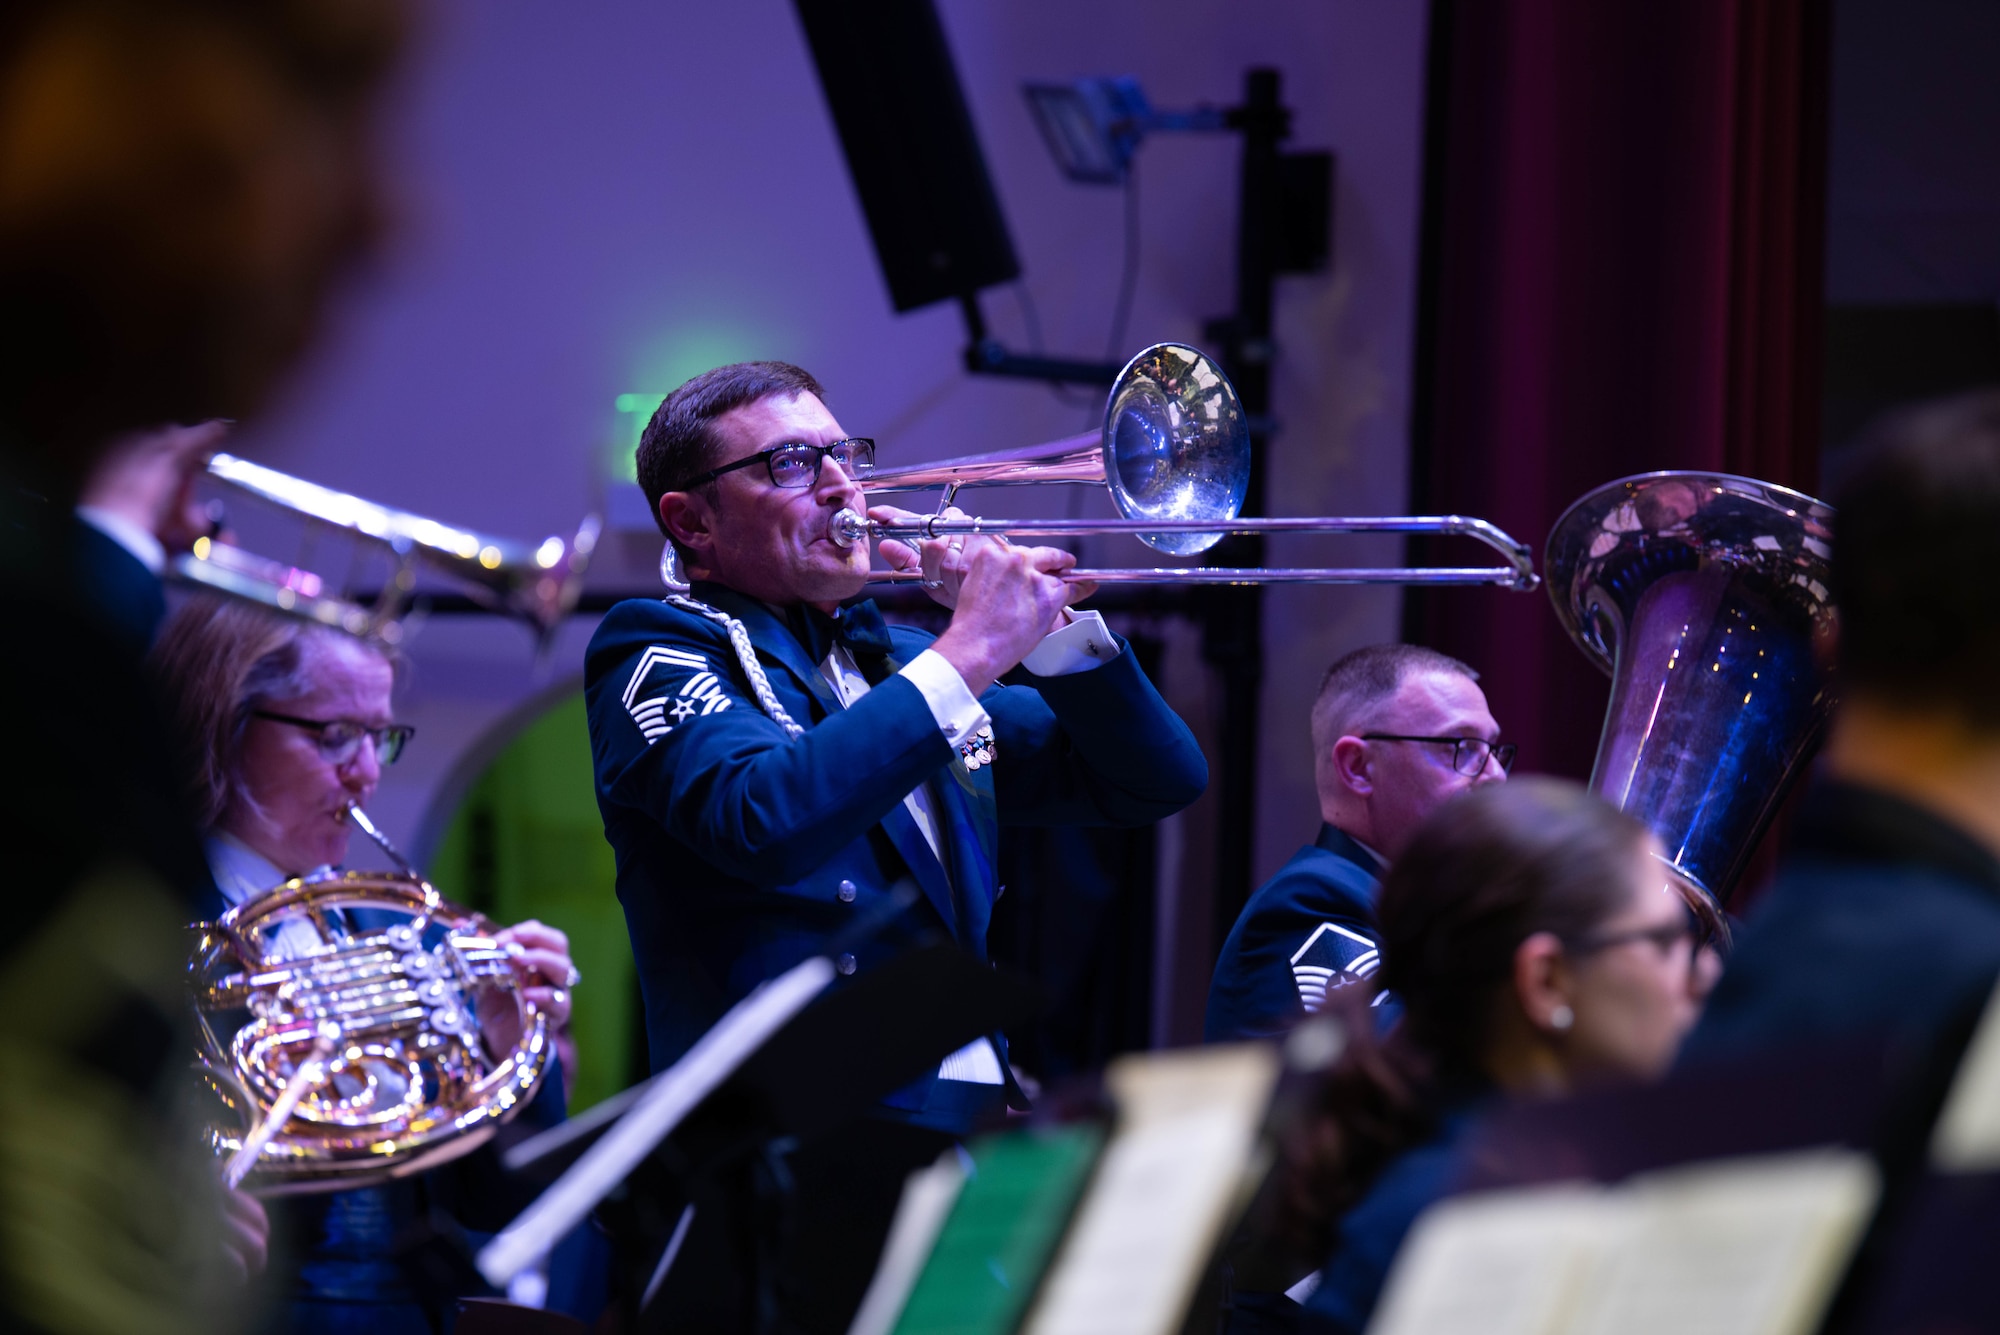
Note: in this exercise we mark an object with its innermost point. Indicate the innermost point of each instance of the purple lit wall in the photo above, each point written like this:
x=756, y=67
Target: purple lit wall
x=603, y=201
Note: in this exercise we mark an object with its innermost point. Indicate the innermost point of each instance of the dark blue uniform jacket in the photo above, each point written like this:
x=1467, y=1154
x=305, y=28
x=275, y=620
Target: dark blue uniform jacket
x=1307, y=930
x=126, y=598
x=740, y=851
x=1368, y=1236
x=1885, y=921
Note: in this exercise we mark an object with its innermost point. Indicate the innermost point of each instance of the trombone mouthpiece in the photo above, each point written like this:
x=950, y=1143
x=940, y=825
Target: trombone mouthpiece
x=847, y=528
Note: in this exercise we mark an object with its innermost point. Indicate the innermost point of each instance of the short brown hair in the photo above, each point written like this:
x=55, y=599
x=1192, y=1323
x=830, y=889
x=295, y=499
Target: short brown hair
x=122, y=301
x=1365, y=678
x=679, y=442
x=218, y=661
x=1916, y=540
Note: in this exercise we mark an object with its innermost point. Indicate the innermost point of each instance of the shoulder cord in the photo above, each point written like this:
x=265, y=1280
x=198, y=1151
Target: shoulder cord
x=746, y=654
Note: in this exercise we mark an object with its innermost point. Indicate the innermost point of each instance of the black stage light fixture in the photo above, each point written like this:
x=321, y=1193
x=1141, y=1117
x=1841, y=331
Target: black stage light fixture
x=916, y=162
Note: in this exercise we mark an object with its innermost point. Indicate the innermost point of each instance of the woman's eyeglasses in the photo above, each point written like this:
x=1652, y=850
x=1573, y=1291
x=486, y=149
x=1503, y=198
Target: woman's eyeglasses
x=1664, y=937
x=340, y=739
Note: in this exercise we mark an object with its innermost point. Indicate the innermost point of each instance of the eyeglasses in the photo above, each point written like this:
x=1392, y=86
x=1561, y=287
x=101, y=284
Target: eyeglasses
x=796, y=464
x=1469, y=754
x=1664, y=937
x=340, y=739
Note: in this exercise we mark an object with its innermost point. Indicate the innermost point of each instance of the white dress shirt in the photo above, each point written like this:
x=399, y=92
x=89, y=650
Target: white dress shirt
x=242, y=874
x=1084, y=644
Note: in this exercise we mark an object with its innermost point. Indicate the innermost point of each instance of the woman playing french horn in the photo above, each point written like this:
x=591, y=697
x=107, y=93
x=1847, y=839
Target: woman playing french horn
x=290, y=724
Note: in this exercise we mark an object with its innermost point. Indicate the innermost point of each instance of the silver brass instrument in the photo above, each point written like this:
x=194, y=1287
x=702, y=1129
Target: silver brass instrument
x=538, y=585
x=1174, y=451
x=360, y=1058
x=1704, y=597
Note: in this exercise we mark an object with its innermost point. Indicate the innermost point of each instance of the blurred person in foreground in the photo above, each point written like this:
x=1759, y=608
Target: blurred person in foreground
x=1538, y=947
x=1397, y=731
x=138, y=509
x=291, y=724
x=180, y=183
x=1884, y=920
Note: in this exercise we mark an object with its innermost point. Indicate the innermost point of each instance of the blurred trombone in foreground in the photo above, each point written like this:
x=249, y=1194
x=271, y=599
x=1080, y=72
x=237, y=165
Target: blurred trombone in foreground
x=539, y=585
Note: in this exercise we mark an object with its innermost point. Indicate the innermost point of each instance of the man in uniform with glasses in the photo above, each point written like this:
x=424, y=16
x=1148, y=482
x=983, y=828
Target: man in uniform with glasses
x=773, y=761
x=1396, y=730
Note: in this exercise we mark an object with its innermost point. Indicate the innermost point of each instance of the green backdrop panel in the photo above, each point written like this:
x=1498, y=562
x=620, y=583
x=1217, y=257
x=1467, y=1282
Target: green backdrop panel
x=527, y=843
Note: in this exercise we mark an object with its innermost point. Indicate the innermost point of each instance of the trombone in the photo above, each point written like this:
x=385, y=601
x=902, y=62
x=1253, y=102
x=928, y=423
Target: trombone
x=539, y=585
x=1174, y=452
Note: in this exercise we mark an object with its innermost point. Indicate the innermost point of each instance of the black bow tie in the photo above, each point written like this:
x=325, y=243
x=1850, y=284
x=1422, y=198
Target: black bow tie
x=858, y=626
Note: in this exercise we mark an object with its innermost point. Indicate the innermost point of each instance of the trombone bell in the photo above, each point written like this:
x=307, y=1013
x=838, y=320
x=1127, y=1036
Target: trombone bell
x=1175, y=446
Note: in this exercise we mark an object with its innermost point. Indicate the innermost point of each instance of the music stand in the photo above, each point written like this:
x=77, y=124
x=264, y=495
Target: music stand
x=785, y=1064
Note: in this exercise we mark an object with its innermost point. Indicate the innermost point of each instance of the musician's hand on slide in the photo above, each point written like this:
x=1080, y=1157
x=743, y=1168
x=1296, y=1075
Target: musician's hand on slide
x=943, y=562
x=246, y=1234
x=1009, y=600
x=1060, y=560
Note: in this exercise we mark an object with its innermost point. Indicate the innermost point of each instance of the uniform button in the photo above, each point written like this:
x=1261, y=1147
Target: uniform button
x=846, y=892
x=845, y=964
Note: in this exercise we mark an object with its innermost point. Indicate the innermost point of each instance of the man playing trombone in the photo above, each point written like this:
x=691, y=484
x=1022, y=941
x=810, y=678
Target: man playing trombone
x=772, y=761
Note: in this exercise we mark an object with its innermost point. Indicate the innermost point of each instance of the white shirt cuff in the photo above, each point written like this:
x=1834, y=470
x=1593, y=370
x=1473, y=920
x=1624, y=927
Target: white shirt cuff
x=955, y=708
x=1085, y=643
x=134, y=538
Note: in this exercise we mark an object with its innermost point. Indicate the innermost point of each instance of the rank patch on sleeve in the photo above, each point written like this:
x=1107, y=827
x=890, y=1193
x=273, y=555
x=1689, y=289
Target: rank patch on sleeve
x=651, y=695
x=1332, y=957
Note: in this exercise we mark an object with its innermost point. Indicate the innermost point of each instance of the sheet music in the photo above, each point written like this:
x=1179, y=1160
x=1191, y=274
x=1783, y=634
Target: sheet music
x=1750, y=1246
x=1171, y=1179
x=928, y=1195
x=1498, y=1263
x=1967, y=1136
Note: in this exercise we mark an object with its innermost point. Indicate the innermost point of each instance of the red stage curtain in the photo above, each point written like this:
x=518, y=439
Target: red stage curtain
x=1624, y=221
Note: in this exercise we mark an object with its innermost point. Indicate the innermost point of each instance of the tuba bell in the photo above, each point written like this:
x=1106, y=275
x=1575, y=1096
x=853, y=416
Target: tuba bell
x=341, y=1024
x=1705, y=598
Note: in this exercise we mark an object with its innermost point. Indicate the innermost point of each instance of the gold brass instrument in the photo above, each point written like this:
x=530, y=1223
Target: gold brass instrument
x=1174, y=451
x=1704, y=597
x=538, y=585
x=360, y=1056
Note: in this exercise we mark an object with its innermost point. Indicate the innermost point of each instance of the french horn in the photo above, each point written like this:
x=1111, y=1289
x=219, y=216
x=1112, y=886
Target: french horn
x=341, y=1025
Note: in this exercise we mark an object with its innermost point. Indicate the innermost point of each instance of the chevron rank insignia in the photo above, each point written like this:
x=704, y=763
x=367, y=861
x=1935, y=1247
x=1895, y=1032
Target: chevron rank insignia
x=1332, y=957
x=651, y=696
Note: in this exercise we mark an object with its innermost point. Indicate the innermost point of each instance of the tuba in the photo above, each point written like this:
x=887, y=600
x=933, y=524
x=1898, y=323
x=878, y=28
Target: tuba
x=343, y=1028
x=1704, y=597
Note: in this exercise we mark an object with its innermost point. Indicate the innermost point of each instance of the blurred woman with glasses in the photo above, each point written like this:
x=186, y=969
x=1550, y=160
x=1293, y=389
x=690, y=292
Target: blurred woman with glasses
x=1538, y=946
x=289, y=725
